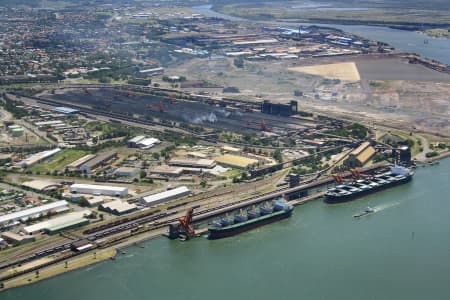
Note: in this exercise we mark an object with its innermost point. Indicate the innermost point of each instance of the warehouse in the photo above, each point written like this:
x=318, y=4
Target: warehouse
x=68, y=221
x=16, y=239
x=126, y=171
x=165, y=196
x=147, y=143
x=34, y=212
x=41, y=185
x=133, y=142
x=192, y=163
x=361, y=155
x=37, y=157
x=167, y=171
x=98, y=161
x=236, y=161
x=76, y=164
x=95, y=189
x=118, y=207
x=66, y=110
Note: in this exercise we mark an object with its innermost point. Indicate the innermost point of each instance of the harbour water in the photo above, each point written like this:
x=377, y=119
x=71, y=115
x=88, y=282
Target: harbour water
x=402, y=251
x=407, y=41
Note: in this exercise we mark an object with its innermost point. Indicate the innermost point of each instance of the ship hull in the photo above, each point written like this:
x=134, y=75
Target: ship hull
x=218, y=233
x=331, y=199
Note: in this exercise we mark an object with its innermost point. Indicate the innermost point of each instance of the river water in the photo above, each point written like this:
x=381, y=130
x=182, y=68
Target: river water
x=402, y=251
x=407, y=41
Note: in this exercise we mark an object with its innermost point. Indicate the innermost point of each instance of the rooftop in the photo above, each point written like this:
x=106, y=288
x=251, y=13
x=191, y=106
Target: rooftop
x=235, y=160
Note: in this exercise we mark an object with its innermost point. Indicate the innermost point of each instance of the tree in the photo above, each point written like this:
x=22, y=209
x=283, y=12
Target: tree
x=143, y=174
x=277, y=155
x=203, y=183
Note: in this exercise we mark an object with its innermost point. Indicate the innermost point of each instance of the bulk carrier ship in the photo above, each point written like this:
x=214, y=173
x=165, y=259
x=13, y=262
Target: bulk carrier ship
x=227, y=227
x=358, y=188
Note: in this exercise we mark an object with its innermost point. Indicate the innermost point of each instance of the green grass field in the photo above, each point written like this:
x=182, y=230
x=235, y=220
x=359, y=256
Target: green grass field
x=59, y=161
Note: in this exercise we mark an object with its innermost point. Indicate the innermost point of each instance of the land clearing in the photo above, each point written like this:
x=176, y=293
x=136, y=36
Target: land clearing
x=346, y=71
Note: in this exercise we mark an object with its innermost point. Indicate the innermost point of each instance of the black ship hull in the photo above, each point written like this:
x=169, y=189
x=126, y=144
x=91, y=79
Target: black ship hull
x=218, y=233
x=331, y=199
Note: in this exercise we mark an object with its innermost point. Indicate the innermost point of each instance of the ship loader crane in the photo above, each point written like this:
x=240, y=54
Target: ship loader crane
x=185, y=224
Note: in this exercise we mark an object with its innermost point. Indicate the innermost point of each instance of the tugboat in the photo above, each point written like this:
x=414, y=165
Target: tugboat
x=365, y=212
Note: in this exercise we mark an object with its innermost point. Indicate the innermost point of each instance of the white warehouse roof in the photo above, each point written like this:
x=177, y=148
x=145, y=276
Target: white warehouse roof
x=166, y=195
x=59, y=221
x=94, y=188
x=59, y=205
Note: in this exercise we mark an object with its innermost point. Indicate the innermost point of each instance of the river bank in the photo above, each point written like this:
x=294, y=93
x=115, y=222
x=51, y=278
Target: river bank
x=405, y=41
x=318, y=253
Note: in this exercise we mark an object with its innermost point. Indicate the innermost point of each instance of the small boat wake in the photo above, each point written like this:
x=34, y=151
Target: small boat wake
x=385, y=206
x=371, y=210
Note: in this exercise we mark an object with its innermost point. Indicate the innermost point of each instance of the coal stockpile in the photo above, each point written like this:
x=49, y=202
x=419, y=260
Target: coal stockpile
x=163, y=107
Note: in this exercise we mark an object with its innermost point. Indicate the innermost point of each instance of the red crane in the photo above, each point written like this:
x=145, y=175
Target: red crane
x=185, y=223
x=262, y=125
x=339, y=179
x=160, y=107
x=356, y=174
x=130, y=94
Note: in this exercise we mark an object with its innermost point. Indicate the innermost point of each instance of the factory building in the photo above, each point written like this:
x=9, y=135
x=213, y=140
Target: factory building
x=192, y=163
x=16, y=239
x=360, y=156
x=98, y=161
x=66, y=110
x=279, y=109
x=118, y=207
x=37, y=157
x=142, y=142
x=34, y=212
x=165, y=196
x=55, y=225
x=41, y=185
x=167, y=171
x=402, y=156
x=236, y=161
x=126, y=171
x=77, y=164
x=95, y=189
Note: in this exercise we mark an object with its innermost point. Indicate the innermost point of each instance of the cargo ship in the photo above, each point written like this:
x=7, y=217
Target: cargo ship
x=351, y=190
x=254, y=218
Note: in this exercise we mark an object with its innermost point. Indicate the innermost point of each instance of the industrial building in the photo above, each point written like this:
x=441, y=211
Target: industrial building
x=37, y=157
x=236, y=161
x=66, y=110
x=41, y=185
x=143, y=142
x=192, y=163
x=279, y=109
x=35, y=212
x=165, y=196
x=77, y=164
x=360, y=156
x=167, y=171
x=97, y=161
x=133, y=142
x=16, y=239
x=68, y=221
x=95, y=189
x=126, y=171
x=118, y=207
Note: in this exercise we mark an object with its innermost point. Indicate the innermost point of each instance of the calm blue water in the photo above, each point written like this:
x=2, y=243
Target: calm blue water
x=400, y=252
x=408, y=41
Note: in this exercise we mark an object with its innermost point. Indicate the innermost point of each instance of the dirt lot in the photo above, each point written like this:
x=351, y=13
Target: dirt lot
x=346, y=71
x=389, y=90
